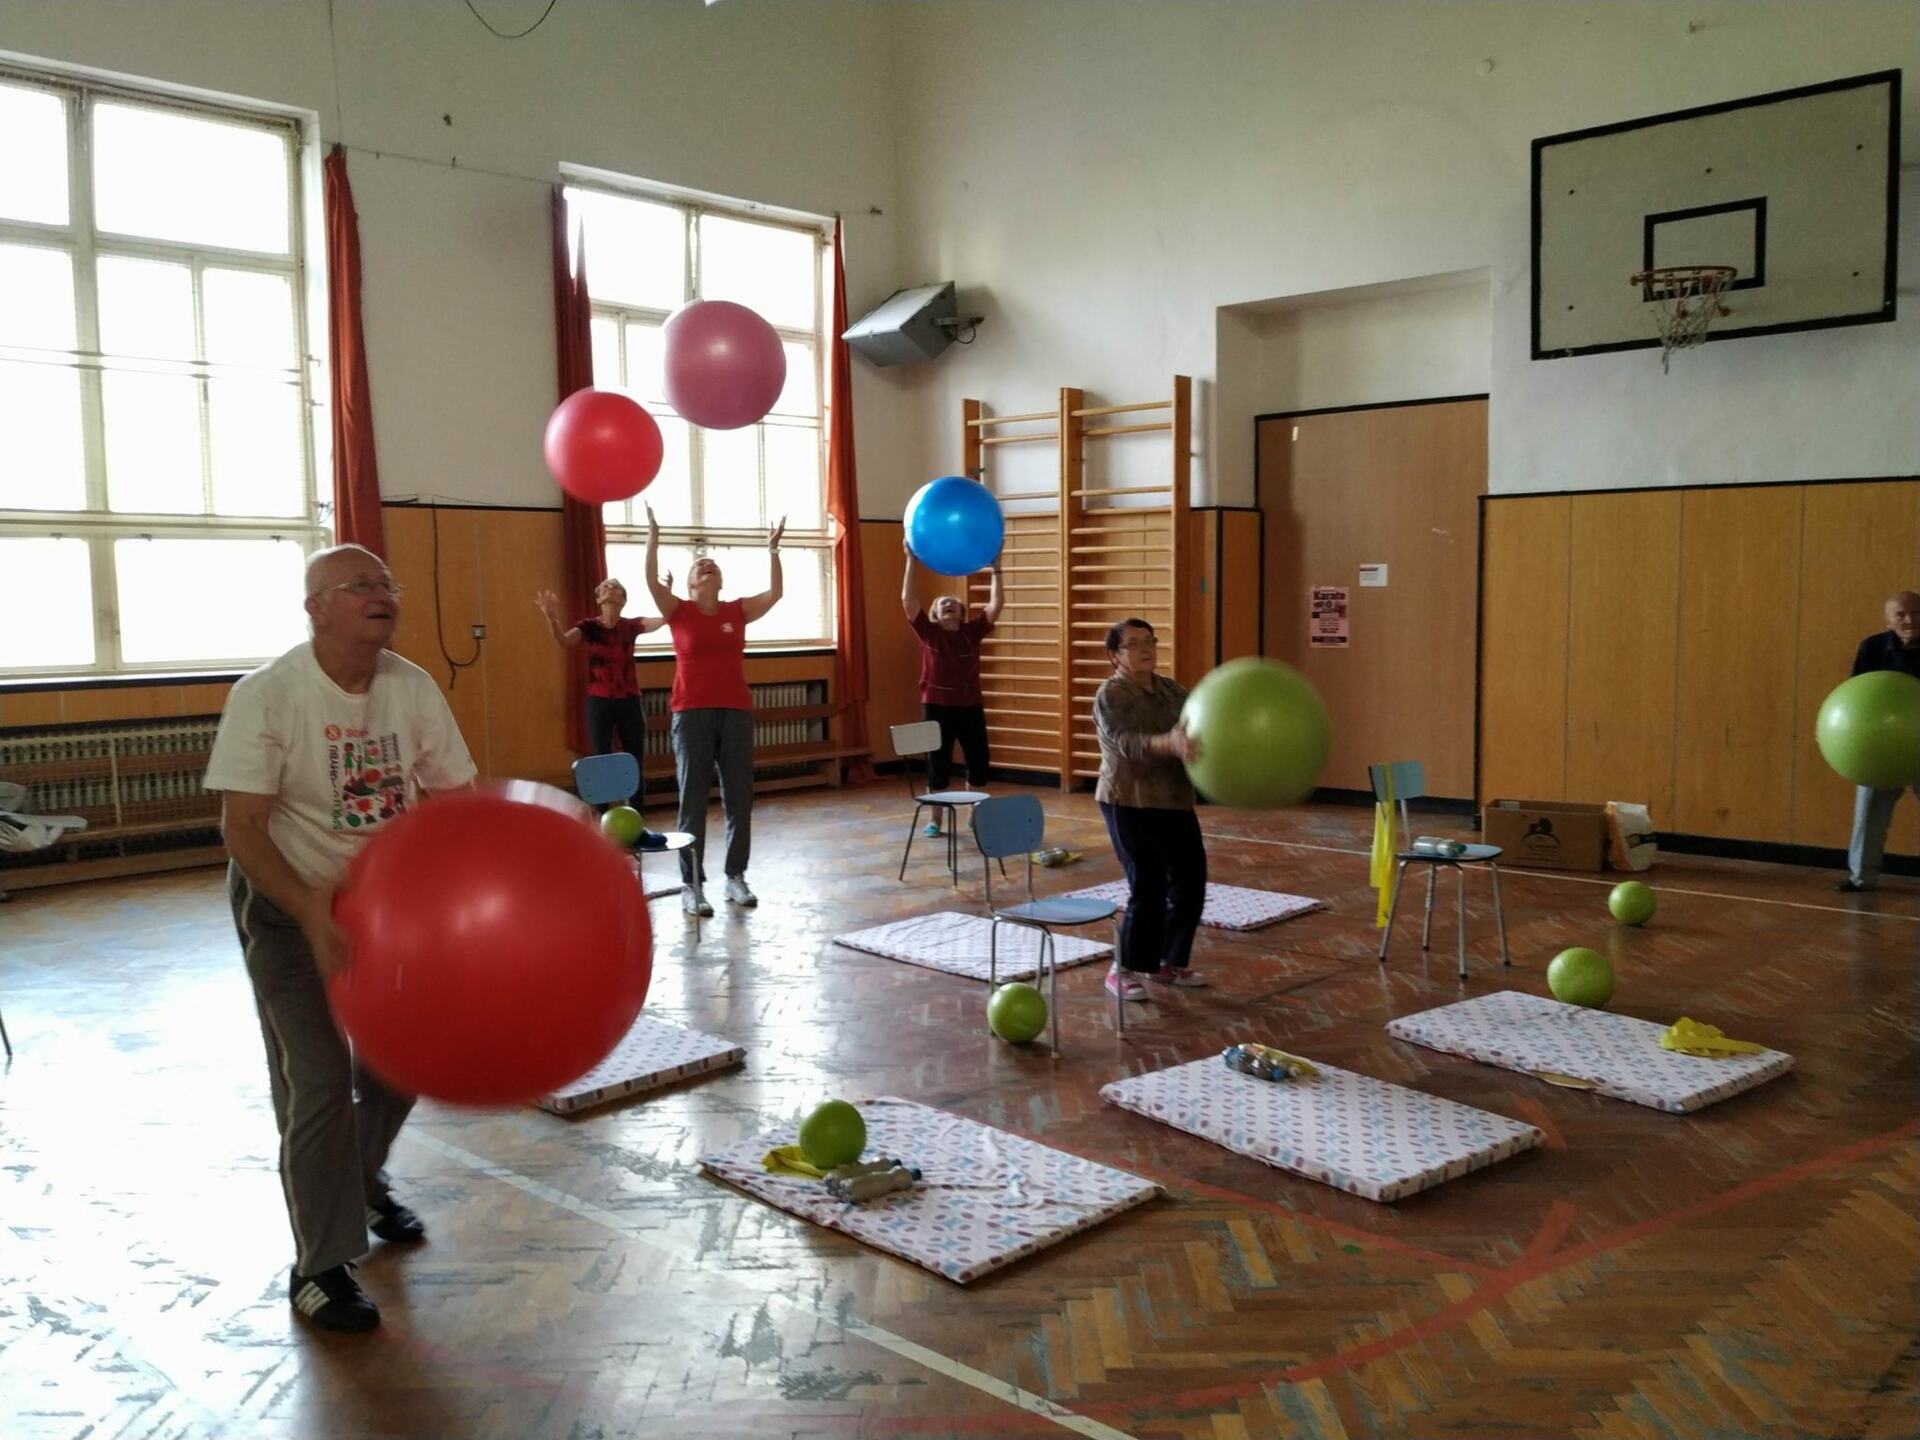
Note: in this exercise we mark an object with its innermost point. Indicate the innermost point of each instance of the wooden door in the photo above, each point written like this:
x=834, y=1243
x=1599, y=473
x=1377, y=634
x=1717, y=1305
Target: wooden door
x=1399, y=487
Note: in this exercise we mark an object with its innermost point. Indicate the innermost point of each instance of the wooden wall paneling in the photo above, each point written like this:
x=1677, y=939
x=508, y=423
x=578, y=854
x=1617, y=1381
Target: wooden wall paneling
x=1204, y=537
x=85, y=703
x=1240, y=596
x=411, y=544
x=135, y=702
x=20, y=709
x=522, y=673
x=1523, y=648
x=1398, y=485
x=1623, y=634
x=1861, y=543
x=1734, y=744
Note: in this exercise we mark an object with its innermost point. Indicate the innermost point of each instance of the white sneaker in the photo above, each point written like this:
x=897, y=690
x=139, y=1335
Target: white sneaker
x=738, y=892
x=693, y=900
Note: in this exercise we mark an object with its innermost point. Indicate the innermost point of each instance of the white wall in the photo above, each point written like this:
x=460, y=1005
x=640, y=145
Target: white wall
x=1105, y=176
x=1372, y=345
x=752, y=98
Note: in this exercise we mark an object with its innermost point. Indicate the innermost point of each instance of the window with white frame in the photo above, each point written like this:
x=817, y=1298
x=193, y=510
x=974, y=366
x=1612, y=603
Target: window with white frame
x=717, y=490
x=157, y=493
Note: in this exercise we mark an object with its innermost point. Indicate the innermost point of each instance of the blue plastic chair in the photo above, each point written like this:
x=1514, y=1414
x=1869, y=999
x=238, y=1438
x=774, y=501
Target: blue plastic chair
x=614, y=780
x=607, y=779
x=1013, y=825
x=1410, y=783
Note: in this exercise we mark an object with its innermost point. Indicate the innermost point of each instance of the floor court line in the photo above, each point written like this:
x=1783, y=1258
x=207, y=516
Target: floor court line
x=1002, y=1390
x=1589, y=880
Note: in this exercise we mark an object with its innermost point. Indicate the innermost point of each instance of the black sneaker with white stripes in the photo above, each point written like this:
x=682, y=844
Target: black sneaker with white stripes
x=394, y=1222
x=334, y=1300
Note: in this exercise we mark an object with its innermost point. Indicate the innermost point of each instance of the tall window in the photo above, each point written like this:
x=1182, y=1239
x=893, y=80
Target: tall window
x=717, y=490
x=156, y=467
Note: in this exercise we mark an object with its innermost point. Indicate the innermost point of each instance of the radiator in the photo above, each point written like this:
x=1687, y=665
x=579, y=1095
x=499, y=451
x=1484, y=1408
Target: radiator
x=137, y=783
x=780, y=695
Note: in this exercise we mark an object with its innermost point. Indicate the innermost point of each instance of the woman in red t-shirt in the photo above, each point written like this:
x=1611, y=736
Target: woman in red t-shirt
x=950, y=677
x=712, y=710
x=613, y=686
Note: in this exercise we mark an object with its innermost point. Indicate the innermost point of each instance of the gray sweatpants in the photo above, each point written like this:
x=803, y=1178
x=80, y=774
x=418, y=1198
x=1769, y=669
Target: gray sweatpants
x=1872, y=816
x=702, y=740
x=332, y=1145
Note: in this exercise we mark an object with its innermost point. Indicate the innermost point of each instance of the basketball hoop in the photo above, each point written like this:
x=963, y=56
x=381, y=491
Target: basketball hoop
x=1688, y=297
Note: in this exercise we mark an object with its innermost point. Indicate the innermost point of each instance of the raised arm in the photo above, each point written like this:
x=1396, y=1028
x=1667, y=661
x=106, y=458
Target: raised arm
x=754, y=606
x=663, y=598
x=549, y=606
x=909, y=603
x=992, y=612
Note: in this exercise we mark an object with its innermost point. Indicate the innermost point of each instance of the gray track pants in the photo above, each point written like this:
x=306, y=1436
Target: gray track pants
x=332, y=1146
x=1872, y=816
x=703, y=739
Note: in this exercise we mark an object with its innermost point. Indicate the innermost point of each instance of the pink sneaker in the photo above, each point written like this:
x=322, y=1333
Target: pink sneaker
x=1185, y=979
x=1121, y=983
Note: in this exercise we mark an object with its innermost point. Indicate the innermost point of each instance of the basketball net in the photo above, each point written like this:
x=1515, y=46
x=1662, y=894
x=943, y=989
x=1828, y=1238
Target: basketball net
x=1686, y=300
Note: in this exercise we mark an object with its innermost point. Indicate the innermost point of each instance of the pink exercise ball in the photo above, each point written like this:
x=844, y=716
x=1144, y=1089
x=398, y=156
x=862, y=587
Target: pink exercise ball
x=725, y=365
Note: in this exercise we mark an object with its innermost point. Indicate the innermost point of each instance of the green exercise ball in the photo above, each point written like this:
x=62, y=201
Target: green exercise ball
x=1869, y=729
x=1581, y=977
x=621, y=824
x=1631, y=903
x=1017, y=1013
x=1262, y=731
x=834, y=1134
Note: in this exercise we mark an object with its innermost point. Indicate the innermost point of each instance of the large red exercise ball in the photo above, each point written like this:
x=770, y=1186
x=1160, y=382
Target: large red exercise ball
x=725, y=365
x=500, y=946
x=1263, y=734
x=955, y=526
x=601, y=446
x=1869, y=729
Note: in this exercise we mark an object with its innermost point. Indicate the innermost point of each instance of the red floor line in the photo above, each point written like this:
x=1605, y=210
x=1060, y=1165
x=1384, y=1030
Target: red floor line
x=1520, y=1273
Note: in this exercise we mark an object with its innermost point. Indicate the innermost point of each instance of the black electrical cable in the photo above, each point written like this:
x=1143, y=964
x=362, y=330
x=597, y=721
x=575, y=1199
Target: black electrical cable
x=454, y=667
x=518, y=34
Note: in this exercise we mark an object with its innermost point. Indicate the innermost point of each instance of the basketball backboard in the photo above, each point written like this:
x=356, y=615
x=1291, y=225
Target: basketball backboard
x=1798, y=190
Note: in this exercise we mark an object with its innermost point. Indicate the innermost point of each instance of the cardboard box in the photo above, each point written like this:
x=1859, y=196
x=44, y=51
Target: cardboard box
x=1547, y=834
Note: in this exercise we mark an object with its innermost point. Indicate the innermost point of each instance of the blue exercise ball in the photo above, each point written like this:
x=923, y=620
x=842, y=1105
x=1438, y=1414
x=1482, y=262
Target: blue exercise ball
x=955, y=526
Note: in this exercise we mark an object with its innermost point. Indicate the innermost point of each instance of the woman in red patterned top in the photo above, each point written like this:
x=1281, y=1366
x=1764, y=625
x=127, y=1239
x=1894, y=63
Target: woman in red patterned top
x=613, y=686
x=712, y=709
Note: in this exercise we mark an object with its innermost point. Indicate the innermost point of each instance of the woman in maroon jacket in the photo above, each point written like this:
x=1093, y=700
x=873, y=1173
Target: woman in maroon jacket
x=950, y=678
x=613, y=684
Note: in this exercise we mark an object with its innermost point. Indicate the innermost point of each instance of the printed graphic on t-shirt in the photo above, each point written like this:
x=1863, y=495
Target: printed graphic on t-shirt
x=365, y=776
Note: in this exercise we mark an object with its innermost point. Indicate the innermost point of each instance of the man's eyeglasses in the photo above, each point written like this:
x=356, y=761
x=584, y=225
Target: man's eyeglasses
x=365, y=589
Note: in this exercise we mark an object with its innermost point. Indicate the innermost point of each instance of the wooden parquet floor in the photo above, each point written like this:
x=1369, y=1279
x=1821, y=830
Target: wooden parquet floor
x=1748, y=1271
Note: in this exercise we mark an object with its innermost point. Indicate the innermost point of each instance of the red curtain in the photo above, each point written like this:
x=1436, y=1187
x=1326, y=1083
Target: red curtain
x=356, y=472
x=843, y=503
x=583, y=534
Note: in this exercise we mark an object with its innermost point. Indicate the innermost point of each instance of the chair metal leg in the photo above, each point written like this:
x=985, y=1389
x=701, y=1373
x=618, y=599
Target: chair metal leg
x=1461, y=872
x=1393, y=904
x=1426, y=925
x=953, y=846
x=910, y=833
x=1499, y=913
x=1053, y=986
x=993, y=956
x=4, y=1041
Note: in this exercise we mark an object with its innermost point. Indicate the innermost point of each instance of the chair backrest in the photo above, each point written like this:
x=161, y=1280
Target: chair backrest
x=1409, y=780
x=1008, y=825
x=606, y=779
x=919, y=738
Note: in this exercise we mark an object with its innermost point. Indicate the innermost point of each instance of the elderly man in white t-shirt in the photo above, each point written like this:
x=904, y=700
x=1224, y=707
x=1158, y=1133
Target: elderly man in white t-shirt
x=316, y=752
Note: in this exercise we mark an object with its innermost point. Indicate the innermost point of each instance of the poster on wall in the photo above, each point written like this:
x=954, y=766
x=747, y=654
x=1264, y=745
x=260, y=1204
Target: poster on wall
x=1327, y=617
